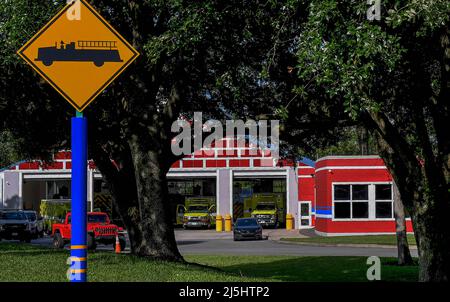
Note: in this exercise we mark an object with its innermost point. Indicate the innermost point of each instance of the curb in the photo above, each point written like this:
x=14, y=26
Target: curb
x=384, y=246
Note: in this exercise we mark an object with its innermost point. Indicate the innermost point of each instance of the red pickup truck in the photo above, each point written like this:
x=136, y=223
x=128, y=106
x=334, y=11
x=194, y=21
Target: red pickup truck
x=99, y=229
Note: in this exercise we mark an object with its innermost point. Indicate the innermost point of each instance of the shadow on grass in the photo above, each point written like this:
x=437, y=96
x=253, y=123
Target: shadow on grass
x=321, y=269
x=395, y=263
x=204, y=267
x=27, y=250
x=14, y=245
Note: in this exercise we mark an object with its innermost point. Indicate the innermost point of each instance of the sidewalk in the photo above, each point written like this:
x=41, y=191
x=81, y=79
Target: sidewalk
x=277, y=234
x=186, y=235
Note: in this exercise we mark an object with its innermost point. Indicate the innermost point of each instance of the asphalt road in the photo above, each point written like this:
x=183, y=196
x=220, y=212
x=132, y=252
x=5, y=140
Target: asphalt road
x=226, y=246
x=277, y=248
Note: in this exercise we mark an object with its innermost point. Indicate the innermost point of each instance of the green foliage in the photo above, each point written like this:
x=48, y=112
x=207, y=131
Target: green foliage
x=430, y=15
x=348, y=66
x=9, y=149
x=185, y=29
x=340, y=51
x=18, y=20
x=349, y=143
x=32, y=121
x=54, y=211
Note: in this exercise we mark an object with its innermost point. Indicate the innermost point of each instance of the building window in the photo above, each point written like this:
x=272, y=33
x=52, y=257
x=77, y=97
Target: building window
x=351, y=201
x=383, y=201
x=362, y=201
x=342, y=192
x=279, y=186
x=192, y=187
x=342, y=210
x=100, y=186
x=360, y=192
x=360, y=209
x=58, y=189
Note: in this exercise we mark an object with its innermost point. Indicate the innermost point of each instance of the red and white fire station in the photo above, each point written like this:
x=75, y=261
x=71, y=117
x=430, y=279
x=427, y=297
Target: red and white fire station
x=335, y=195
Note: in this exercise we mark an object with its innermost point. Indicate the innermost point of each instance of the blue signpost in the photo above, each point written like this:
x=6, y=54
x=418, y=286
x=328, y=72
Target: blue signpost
x=78, y=250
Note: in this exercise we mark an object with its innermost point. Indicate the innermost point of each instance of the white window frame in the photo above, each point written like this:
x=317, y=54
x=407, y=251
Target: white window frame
x=371, y=201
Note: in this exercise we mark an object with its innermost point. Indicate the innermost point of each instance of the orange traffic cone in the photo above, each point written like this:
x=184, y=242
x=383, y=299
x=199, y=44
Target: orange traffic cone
x=117, y=249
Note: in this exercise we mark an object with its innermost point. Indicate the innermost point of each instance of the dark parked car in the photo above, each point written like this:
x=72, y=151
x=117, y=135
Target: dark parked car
x=15, y=225
x=247, y=228
x=36, y=222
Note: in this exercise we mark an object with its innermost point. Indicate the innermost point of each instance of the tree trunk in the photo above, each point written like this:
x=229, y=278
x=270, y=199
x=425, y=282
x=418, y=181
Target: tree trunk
x=363, y=140
x=404, y=255
x=143, y=211
x=157, y=238
x=434, y=256
x=432, y=232
x=424, y=190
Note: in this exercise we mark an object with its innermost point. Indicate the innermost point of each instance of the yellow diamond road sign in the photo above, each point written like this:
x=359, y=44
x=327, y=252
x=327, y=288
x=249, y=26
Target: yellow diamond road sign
x=78, y=53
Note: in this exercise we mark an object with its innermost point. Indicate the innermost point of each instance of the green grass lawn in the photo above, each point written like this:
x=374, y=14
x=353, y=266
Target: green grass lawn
x=372, y=239
x=23, y=262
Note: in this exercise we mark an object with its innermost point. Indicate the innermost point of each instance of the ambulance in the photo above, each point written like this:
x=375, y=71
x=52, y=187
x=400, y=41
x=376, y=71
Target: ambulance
x=200, y=212
x=267, y=208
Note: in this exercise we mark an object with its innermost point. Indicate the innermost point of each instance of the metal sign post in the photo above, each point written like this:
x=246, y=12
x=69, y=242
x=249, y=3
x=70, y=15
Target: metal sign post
x=78, y=251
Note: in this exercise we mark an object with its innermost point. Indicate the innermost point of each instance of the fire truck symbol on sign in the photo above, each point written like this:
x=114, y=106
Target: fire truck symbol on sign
x=97, y=52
